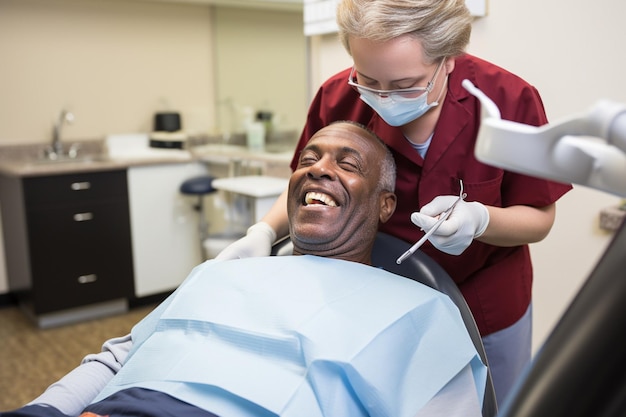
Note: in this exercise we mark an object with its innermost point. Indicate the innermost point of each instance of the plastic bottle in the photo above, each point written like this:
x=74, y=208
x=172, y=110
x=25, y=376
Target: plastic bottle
x=255, y=136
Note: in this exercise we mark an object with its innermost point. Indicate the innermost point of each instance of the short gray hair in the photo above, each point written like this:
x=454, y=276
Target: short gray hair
x=387, y=180
x=443, y=26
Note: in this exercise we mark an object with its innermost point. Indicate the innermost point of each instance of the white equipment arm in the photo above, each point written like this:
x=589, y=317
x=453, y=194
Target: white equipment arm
x=589, y=149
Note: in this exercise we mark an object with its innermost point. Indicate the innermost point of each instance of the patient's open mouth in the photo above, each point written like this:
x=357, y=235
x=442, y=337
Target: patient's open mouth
x=319, y=198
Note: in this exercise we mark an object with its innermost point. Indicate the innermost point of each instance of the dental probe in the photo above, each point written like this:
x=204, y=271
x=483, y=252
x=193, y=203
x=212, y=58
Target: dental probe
x=442, y=218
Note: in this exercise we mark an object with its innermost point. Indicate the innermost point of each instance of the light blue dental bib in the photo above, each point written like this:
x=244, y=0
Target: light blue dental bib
x=299, y=336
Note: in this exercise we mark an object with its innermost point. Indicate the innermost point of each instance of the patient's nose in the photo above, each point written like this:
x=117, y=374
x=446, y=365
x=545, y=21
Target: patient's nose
x=323, y=168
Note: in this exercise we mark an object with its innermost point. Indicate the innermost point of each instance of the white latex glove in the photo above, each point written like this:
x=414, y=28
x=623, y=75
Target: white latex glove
x=466, y=222
x=257, y=242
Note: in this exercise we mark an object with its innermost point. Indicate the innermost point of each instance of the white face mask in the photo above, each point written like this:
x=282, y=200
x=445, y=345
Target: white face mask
x=398, y=107
x=398, y=112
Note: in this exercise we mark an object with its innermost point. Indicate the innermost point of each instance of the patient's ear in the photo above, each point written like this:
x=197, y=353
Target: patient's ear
x=387, y=205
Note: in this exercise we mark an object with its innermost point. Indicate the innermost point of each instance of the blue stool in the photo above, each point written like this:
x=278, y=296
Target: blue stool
x=200, y=186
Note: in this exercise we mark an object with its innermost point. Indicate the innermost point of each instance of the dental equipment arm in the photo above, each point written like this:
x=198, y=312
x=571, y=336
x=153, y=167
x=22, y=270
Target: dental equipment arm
x=589, y=149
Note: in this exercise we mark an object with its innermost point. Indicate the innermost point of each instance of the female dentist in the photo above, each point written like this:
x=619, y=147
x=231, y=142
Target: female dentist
x=405, y=85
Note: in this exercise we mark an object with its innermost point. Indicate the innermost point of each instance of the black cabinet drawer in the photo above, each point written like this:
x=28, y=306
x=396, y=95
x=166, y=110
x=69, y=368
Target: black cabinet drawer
x=74, y=288
x=80, y=255
x=77, y=187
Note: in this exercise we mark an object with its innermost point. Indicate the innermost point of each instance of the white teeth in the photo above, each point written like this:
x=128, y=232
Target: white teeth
x=319, y=197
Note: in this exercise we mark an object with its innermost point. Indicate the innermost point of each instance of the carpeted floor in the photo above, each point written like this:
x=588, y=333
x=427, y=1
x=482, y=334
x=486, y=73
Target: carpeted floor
x=31, y=358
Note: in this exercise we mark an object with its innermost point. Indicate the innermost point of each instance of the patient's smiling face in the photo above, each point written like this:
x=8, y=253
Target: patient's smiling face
x=334, y=202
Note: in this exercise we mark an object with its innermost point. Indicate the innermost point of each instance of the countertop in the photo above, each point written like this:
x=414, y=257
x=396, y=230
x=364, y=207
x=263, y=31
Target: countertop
x=29, y=166
x=37, y=168
x=218, y=153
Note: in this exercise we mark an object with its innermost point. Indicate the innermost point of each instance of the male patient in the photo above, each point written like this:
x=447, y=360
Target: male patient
x=320, y=334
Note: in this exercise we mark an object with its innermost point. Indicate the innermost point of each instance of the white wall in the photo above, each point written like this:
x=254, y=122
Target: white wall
x=114, y=63
x=260, y=63
x=570, y=50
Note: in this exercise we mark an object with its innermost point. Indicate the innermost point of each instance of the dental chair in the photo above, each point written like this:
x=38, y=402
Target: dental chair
x=421, y=268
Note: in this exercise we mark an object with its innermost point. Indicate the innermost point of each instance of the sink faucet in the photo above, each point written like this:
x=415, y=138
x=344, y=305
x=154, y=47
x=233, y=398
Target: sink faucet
x=57, y=146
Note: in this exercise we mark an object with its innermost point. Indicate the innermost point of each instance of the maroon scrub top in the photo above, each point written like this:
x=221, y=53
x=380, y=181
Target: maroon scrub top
x=495, y=281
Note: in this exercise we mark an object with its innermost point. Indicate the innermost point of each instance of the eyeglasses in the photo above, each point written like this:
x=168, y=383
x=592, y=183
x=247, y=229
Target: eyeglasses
x=400, y=93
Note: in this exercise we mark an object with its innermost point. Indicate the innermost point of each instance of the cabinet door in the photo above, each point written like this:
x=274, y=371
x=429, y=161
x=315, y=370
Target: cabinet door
x=79, y=255
x=165, y=239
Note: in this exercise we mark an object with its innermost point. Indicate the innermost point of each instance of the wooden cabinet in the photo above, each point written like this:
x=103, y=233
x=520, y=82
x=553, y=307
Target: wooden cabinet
x=68, y=244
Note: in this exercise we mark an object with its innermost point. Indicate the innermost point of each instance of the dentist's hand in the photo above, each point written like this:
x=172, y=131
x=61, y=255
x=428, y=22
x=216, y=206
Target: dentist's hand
x=466, y=222
x=257, y=242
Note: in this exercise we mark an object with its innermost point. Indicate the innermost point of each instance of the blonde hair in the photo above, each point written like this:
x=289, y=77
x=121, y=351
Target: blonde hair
x=442, y=26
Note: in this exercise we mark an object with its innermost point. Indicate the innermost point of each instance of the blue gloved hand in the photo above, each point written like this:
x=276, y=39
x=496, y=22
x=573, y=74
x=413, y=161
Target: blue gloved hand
x=257, y=242
x=466, y=222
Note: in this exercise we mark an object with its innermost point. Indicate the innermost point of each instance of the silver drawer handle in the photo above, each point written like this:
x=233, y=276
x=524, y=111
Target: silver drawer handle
x=86, y=279
x=77, y=186
x=83, y=217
